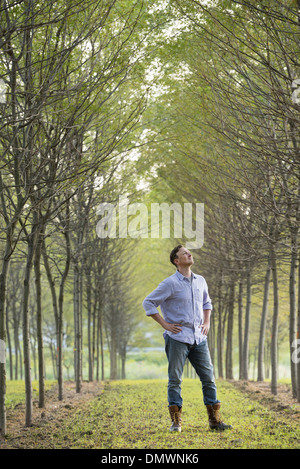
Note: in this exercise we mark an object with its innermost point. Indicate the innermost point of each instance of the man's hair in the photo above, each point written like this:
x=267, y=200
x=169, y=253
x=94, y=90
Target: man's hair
x=173, y=254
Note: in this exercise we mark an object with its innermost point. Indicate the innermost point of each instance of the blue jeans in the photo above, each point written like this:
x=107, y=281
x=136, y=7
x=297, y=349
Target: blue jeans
x=199, y=356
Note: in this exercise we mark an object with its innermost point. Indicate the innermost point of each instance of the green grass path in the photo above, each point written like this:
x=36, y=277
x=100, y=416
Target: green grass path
x=134, y=415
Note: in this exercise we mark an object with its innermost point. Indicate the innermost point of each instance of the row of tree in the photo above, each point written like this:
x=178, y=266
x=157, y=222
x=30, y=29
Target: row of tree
x=72, y=96
x=233, y=143
x=88, y=114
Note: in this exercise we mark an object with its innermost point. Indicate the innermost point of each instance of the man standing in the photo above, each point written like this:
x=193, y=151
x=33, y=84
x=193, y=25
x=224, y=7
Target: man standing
x=186, y=306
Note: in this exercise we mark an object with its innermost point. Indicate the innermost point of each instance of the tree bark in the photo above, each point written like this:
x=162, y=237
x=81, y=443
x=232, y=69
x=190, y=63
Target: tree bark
x=9, y=345
x=211, y=339
x=293, y=314
x=113, y=353
x=41, y=365
x=229, y=346
x=26, y=323
x=3, y=282
x=261, y=344
x=90, y=325
x=274, y=341
x=16, y=339
x=298, y=335
x=54, y=302
x=100, y=343
x=60, y=322
x=220, y=329
x=247, y=325
x=77, y=329
x=240, y=324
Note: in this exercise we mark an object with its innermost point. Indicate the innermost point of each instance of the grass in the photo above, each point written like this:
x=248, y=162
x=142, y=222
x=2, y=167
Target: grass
x=134, y=415
x=15, y=391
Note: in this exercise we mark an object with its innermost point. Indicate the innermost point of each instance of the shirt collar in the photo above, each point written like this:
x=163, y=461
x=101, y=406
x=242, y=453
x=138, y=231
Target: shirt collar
x=181, y=277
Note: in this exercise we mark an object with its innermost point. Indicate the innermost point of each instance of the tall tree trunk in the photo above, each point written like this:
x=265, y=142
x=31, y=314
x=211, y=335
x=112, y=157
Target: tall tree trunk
x=274, y=341
x=298, y=334
x=3, y=284
x=298, y=321
x=26, y=322
x=53, y=358
x=41, y=365
x=261, y=344
x=98, y=347
x=80, y=326
x=123, y=370
x=77, y=329
x=293, y=314
x=60, y=322
x=247, y=325
x=113, y=352
x=211, y=339
x=27, y=146
x=100, y=342
x=94, y=333
x=89, y=325
x=220, y=329
x=9, y=345
x=16, y=338
x=229, y=346
x=54, y=299
x=91, y=310
x=240, y=323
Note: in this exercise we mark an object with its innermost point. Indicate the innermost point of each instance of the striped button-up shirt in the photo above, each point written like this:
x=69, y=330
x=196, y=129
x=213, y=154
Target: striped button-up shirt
x=181, y=301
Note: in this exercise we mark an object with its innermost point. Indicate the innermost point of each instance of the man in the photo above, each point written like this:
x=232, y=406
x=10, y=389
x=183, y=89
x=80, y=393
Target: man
x=186, y=306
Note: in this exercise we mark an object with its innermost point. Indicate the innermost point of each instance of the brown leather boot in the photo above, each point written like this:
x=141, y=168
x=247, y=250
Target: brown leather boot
x=175, y=413
x=214, y=417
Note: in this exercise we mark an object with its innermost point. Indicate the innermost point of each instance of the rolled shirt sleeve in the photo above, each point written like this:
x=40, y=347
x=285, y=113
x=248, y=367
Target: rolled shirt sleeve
x=157, y=297
x=207, y=304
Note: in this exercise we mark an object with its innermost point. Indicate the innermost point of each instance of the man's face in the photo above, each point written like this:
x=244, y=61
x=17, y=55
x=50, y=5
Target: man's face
x=184, y=258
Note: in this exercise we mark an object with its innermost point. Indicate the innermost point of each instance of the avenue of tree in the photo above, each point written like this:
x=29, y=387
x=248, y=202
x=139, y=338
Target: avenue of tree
x=158, y=101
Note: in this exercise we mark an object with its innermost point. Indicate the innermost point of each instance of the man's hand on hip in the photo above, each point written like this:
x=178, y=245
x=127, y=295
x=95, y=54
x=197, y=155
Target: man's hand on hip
x=166, y=325
x=175, y=328
x=205, y=328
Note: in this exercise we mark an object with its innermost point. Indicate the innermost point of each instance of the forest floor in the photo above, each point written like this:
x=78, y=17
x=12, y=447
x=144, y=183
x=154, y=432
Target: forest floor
x=106, y=416
x=54, y=412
